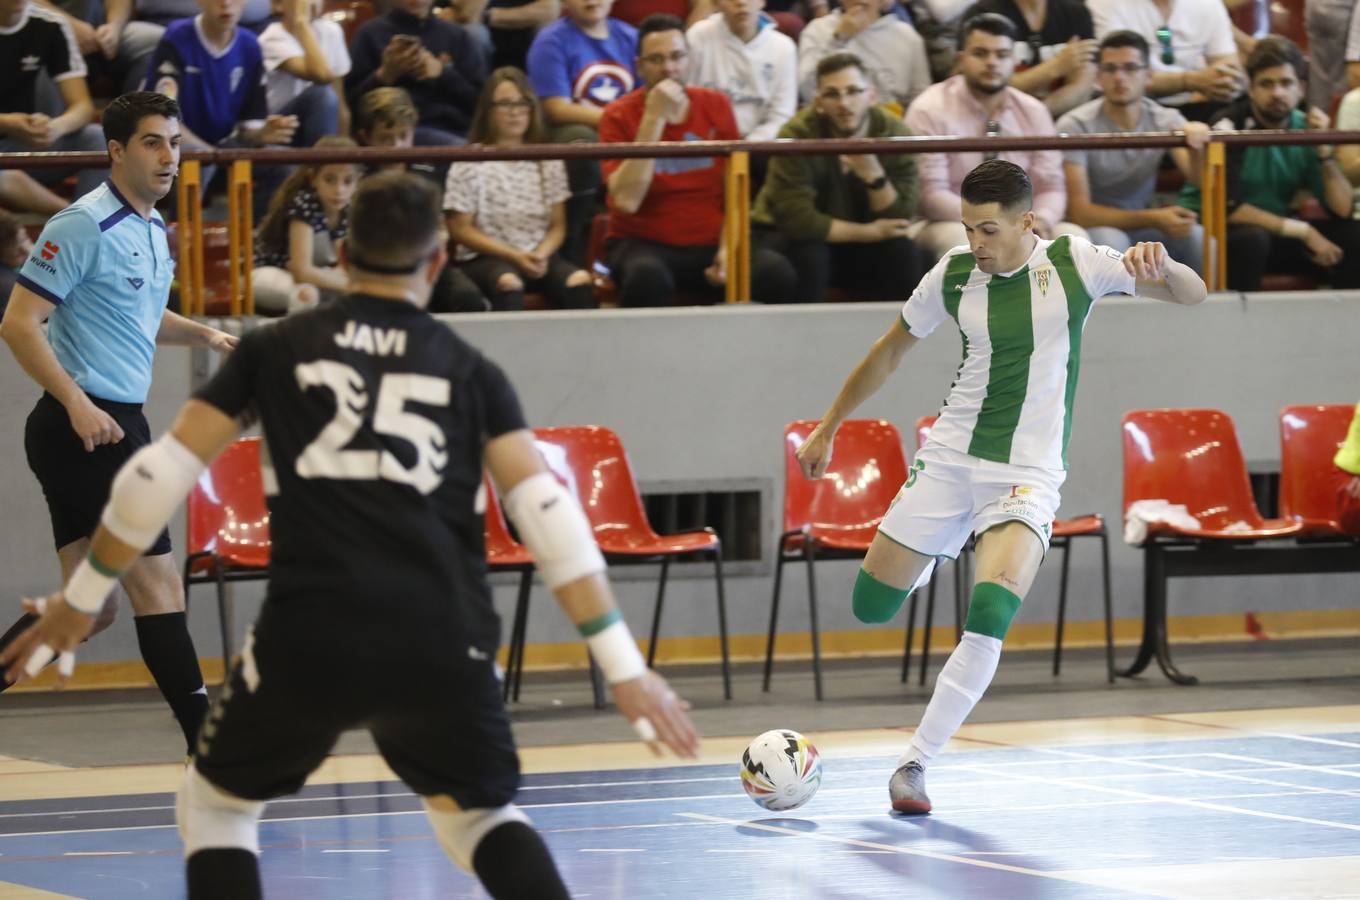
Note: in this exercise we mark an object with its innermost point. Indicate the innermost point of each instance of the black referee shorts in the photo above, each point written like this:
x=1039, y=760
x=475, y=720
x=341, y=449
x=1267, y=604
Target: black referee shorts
x=76, y=483
x=305, y=677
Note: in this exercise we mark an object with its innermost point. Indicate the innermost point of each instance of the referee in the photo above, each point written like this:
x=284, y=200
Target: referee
x=100, y=275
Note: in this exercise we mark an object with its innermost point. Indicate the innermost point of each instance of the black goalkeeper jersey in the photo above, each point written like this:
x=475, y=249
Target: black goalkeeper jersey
x=375, y=417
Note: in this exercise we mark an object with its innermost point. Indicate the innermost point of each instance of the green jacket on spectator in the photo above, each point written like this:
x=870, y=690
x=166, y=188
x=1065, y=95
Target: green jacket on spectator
x=802, y=194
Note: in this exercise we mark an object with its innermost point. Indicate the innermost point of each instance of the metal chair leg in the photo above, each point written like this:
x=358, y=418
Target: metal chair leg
x=1062, y=604
x=928, y=625
x=596, y=682
x=774, y=614
x=225, y=617
x=1109, y=611
x=911, y=631
x=656, y=612
x=810, y=554
x=514, y=658
x=722, y=622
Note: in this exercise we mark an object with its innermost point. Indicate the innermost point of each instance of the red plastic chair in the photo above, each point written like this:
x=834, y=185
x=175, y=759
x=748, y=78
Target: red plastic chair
x=591, y=462
x=837, y=515
x=1309, y=438
x=228, y=533
x=1191, y=457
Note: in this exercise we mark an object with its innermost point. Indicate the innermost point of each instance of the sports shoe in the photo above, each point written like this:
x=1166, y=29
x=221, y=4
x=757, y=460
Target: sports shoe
x=907, y=788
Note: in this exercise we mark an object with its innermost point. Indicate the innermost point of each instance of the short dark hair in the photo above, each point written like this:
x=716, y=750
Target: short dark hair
x=1124, y=38
x=998, y=181
x=124, y=114
x=830, y=65
x=992, y=23
x=658, y=22
x=1274, y=50
x=393, y=221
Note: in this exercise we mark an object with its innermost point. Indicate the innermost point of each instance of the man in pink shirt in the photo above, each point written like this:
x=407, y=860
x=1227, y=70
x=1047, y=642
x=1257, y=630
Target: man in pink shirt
x=980, y=101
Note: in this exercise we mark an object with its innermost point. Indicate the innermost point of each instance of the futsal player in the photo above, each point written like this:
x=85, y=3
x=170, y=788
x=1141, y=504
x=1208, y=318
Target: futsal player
x=997, y=456
x=378, y=422
x=100, y=275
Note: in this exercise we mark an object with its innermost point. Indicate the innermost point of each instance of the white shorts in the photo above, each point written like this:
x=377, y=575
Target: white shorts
x=949, y=495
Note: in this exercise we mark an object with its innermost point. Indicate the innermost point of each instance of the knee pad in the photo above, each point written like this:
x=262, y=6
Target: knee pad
x=875, y=602
x=459, y=833
x=209, y=817
x=991, y=610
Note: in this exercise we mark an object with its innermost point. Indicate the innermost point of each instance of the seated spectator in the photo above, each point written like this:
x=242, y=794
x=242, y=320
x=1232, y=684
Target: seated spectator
x=1108, y=191
x=688, y=11
x=1348, y=119
x=509, y=26
x=35, y=41
x=938, y=21
x=842, y=220
x=1195, y=66
x=893, y=53
x=386, y=117
x=18, y=191
x=1055, y=49
x=1327, y=24
x=15, y=245
x=215, y=70
x=740, y=52
x=305, y=61
x=438, y=63
x=579, y=65
x=296, y=266
x=975, y=102
x=509, y=218
x=1264, y=182
x=666, y=215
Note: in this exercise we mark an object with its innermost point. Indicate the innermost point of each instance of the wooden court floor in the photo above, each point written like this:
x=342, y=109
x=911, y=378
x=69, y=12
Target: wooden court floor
x=1253, y=804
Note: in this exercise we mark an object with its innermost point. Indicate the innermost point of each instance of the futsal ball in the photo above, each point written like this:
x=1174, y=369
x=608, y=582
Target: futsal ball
x=781, y=770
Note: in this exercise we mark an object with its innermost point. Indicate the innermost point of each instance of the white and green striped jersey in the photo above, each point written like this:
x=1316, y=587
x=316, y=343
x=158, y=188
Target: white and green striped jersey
x=1011, y=401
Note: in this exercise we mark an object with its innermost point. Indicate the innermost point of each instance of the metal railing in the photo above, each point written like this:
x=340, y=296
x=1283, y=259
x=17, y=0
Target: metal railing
x=737, y=235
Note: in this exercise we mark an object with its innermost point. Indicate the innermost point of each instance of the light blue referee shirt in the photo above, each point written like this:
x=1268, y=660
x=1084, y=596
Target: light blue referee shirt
x=108, y=271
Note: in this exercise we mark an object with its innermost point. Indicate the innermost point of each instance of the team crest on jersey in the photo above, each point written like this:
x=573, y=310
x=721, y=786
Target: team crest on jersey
x=1042, y=277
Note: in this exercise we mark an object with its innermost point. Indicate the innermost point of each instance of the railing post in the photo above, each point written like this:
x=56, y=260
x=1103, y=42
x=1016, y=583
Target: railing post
x=240, y=247
x=189, y=200
x=1219, y=153
x=737, y=234
x=1213, y=215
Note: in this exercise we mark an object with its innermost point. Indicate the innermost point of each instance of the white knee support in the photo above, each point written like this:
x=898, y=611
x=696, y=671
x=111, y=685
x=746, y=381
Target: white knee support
x=555, y=529
x=209, y=817
x=459, y=833
x=148, y=489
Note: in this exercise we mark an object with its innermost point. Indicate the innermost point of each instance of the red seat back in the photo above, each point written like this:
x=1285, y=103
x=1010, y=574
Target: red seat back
x=501, y=548
x=867, y=470
x=591, y=462
x=1189, y=457
x=1309, y=437
x=226, y=508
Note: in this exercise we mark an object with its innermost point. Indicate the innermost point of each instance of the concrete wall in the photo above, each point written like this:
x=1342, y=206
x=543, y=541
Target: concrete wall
x=700, y=396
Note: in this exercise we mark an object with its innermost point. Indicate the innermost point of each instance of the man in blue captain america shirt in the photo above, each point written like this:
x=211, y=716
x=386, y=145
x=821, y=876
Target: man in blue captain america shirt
x=579, y=65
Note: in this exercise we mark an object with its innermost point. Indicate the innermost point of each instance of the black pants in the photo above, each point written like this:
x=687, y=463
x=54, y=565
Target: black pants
x=650, y=273
x=454, y=292
x=1253, y=251
x=886, y=270
x=486, y=272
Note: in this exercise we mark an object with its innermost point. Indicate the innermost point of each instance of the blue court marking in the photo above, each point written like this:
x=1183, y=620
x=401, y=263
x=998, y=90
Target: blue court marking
x=1008, y=823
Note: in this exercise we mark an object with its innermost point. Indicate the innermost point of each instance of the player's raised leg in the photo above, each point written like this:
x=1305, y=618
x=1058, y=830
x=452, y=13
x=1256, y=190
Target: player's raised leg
x=887, y=576
x=1008, y=558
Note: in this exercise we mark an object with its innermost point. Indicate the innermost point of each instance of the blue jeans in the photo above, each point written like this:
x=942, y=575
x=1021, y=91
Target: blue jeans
x=318, y=113
x=1188, y=250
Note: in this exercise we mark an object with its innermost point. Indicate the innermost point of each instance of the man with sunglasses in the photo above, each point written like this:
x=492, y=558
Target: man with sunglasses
x=1108, y=191
x=1194, y=61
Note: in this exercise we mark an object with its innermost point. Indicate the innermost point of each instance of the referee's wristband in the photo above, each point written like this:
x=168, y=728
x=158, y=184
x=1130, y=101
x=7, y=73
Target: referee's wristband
x=612, y=645
x=90, y=585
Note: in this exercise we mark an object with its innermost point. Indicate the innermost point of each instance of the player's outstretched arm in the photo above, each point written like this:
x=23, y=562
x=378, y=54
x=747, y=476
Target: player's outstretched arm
x=145, y=493
x=1160, y=277
x=881, y=361
x=554, y=528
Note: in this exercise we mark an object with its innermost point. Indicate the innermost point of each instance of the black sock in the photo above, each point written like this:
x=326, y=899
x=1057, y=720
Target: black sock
x=15, y=630
x=224, y=873
x=168, y=652
x=513, y=862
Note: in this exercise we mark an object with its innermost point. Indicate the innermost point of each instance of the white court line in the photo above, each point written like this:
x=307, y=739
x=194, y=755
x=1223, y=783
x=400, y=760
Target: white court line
x=99, y=853
x=612, y=850
x=365, y=850
x=1287, y=765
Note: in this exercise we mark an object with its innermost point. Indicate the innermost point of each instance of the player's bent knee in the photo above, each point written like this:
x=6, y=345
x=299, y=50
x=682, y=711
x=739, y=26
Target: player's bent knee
x=991, y=610
x=875, y=602
x=460, y=832
x=210, y=818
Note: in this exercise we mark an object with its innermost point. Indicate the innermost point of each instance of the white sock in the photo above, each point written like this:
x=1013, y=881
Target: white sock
x=961, y=684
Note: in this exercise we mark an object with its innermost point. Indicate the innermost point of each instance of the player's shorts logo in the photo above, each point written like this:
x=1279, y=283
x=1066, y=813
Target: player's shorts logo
x=50, y=250
x=917, y=466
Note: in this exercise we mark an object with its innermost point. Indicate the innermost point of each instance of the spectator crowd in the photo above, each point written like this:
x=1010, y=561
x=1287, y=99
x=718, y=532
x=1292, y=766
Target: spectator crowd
x=506, y=73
